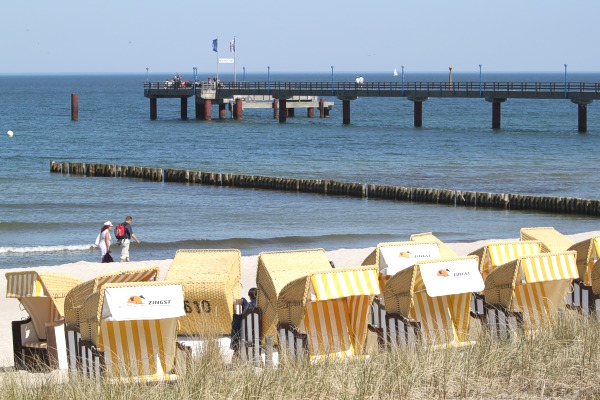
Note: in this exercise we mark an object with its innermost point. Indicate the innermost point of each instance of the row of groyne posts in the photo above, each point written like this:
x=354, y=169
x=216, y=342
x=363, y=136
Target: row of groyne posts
x=560, y=205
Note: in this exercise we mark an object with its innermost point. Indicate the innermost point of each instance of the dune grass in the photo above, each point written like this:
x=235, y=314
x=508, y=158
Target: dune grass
x=560, y=362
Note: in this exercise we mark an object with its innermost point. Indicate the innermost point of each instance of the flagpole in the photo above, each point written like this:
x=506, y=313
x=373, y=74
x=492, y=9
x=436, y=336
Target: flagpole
x=217, y=61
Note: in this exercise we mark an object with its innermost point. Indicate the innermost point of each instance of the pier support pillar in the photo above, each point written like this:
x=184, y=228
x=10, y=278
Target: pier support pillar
x=418, y=113
x=153, y=112
x=582, y=117
x=291, y=112
x=418, y=109
x=321, y=108
x=582, y=114
x=198, y=110
x=310, y=112
x=496, y=111
x=346, y=112
x=282, y=110
x=275, y=105
x=184, y=102
x=238, y=109
x=74, y=107
x=207, y=110
x=222, y=111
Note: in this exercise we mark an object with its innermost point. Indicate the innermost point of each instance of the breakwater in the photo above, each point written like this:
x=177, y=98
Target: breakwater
x=558, y=205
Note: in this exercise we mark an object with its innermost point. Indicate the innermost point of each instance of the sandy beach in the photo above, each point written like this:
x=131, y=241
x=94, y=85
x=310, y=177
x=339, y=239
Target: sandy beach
x=10, y=310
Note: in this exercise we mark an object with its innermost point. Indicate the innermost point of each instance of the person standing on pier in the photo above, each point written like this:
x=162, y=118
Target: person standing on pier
x=126, y=240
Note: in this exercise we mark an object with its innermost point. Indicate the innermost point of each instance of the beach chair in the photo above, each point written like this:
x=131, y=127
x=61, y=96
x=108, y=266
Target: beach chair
x=390, y=258
x=211, y=284
x=583, y=297
x=324, y=315
x=429, y=302
x=527, y=293
x=129, y=332
x=274, y=271
x=595, y=278
x=77, y=295
x=554, y=241
x=41, y=337
x=494, y=254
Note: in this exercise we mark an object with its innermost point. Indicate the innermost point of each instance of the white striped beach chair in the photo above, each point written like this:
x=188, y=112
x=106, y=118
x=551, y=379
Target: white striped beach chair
x=133, y=332
x=41, y=337
x=211, y=284
x=429, y=302
x=527, y=293
x=584, y=297
x=390, y=258
x=77, y=295
x=494, y=254
x=324, y=315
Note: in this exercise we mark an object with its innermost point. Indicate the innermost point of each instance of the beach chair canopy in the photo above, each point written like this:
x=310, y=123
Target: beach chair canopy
x=587, y=255
x=41, y=294
x=436, y=293
x=274, y=271
x=535, y=285
x=498, y=253
x=428, y=237
x=211, y=283
x=552, y=240
x=331, y=307
x=135, y=325
x=595, y=278
x=77, y=295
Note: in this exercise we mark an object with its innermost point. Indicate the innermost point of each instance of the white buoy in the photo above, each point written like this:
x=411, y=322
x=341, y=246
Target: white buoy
x=10, y=133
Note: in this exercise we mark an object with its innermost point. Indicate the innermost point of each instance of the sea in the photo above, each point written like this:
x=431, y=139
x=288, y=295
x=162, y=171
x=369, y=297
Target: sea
x=49, y=219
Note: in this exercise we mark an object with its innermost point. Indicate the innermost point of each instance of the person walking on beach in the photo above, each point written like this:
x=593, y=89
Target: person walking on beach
x=103, y=242
x=124, y=243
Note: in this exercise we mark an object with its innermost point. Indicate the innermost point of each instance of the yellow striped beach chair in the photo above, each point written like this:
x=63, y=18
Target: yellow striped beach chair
x=274, y=271
x=211, y=284
x=434, y=294
x=584, y=297
x=390, y=258
x=41, y=336
x=529, y=291
x=77, y=295
x=132, y=332
x=428, y=237
x=552, y=240
x=324, y=314
x=494, y=254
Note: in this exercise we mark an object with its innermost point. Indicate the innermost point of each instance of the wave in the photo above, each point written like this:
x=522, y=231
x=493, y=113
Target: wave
x=46, y=249
x=254, y=244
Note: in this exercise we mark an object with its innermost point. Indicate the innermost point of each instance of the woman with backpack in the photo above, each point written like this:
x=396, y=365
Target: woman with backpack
x=103, y=242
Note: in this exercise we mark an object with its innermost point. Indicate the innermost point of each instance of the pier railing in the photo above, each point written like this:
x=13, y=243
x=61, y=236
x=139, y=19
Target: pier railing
x=573, y=90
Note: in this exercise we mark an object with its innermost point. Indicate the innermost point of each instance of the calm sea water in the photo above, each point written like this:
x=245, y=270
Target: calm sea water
x=52, y=219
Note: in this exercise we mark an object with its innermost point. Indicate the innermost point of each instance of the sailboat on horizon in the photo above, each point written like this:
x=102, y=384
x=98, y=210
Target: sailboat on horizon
x=395, y=72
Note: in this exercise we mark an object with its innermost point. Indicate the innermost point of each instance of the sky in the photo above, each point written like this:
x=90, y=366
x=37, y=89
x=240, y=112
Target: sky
x=128, y=36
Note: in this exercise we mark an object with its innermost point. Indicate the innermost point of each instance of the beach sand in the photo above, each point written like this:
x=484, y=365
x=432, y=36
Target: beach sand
x=10, y=310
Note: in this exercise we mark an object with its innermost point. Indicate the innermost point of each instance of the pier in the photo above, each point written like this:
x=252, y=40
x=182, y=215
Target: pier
x=286, y=96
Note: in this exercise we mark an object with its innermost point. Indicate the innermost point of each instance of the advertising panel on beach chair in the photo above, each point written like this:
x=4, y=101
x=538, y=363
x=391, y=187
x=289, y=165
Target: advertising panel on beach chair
x=133, y=332
x=41, y=337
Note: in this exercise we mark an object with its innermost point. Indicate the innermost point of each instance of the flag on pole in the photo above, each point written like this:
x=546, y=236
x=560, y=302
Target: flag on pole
x=232, y=46
x=216, y=45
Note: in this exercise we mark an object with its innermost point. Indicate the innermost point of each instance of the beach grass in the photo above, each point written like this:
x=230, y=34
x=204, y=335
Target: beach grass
x=562, y=361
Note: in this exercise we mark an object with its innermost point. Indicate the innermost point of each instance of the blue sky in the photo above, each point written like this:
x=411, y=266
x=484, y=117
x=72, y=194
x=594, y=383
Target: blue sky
x=111, y=36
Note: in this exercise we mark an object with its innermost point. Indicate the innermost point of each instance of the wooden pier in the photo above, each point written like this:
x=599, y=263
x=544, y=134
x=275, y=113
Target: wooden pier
x=287, y=95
